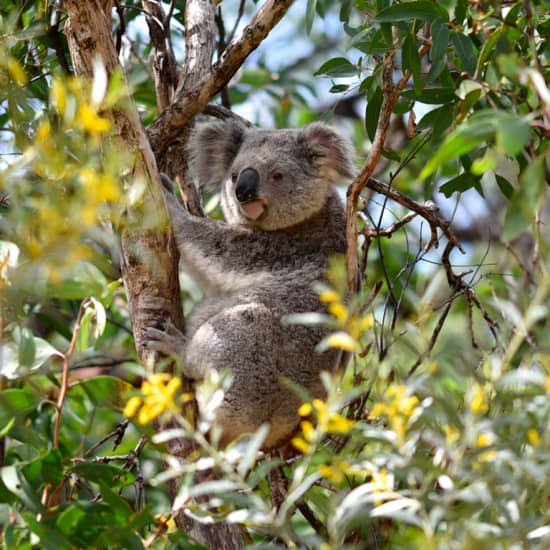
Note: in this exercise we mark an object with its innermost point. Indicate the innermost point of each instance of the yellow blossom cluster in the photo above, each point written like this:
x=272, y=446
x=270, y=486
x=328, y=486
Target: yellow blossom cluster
x=157, y=396
x=398, y=406
x=352, y=326
x=72, y=181
x=336, y=471
x=327, y=422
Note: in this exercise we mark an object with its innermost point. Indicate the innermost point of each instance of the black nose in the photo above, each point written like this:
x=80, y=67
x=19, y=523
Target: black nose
x=247, y=185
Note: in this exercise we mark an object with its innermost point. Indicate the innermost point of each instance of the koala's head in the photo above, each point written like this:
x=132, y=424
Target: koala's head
x=270, y=179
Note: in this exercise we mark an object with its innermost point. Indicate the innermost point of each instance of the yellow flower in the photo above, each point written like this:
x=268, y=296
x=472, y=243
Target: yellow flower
x=398, y=407
x=132, y=406
x=335, y=472
x=432, y=367
x=533, y=437
x=300, y=444
x=329, y=296
x=342, y=340
x=305, y=409
x=158, y=396
x=484, y=439
x=339, y=311
x=107, y=189
x=548, y=384
x=59, y=96
x=487, y=456
x=17, y=72
x=366, y=322
x=451, y=434
x=91, y=122
x=167, y=522
x=43, y=132
x=338, y=424
x=378, y=410
x=308, y=430
x=478, y=404
x=382, y=483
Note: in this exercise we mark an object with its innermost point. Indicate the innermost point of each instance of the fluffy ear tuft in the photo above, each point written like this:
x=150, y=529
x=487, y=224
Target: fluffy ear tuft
x=212, y=148
x=331, y=150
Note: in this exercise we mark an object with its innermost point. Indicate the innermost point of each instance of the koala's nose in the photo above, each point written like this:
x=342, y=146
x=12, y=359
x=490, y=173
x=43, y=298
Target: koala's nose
x=247, y=185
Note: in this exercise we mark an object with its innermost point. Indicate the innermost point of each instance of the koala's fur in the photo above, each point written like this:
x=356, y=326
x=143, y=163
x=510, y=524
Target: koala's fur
x=259, y=266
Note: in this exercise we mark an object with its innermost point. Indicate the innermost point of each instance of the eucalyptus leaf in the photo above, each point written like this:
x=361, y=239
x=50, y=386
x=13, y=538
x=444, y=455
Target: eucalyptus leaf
x=337, y=66
x=420, y=9
x=440, y=39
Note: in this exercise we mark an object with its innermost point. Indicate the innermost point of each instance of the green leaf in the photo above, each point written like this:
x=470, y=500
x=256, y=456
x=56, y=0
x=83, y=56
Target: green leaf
x=250, y=453
x=465, y=50
x=505, y=186
x=256, y=77
x=421, y=9
x=337, y=66
x=104, y=391
x=467, y=87
x=488, y=48
x=16, y=483
x=479, y=128
x=26, y=348
x=436, y=69
x=338, y=88
x=440, y=39
x=92, y=324
x=85, y=280
x=432, y=96
x=71, y=520
x=52, y=468
x=108, y=474
x=16, y=403
x=411, y=61
x=459, y=184
x=310, y=14
x=374, y=105
x=50, y=539
x=30, y=354
x=512, y=132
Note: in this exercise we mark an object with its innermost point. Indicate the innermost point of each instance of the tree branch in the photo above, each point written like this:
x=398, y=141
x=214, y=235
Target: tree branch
x=391, y=95
x=165, y=67
x=192, y=99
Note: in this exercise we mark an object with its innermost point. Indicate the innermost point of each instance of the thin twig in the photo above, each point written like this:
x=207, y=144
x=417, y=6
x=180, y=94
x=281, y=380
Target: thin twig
x=65, y=375
x=117, y=433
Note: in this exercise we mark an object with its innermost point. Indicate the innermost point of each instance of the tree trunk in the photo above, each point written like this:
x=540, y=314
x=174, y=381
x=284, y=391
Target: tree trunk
x=149, y=256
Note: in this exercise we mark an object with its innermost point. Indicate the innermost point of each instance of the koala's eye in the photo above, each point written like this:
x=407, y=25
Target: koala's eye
x=277, y=177
x=234, y=177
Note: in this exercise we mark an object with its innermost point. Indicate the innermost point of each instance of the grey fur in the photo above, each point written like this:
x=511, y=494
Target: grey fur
x=257, y=269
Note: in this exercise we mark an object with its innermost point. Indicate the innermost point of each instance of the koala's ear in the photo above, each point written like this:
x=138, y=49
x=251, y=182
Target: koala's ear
x=212, y=148
x=331, y=150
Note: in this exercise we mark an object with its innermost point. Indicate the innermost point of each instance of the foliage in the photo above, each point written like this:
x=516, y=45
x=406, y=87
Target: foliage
x=436, y=434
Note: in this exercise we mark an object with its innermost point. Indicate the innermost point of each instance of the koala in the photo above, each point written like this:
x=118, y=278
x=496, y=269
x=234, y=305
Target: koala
x=283, y=219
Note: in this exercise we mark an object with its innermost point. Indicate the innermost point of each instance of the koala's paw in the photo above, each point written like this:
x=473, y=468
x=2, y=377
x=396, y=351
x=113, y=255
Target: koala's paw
x=169, y=341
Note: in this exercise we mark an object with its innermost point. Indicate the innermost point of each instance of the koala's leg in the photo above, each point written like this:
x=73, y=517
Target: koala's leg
x=247, y=339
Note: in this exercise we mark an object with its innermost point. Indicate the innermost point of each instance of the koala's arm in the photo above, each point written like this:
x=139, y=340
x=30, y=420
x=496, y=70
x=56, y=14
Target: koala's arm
x=214, y=252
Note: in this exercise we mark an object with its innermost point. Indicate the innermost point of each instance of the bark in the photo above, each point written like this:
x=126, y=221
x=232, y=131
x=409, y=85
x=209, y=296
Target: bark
x=165, y=68
x=149, y=257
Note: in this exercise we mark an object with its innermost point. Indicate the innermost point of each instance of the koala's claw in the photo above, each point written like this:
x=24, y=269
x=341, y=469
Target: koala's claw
x=169, y=341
